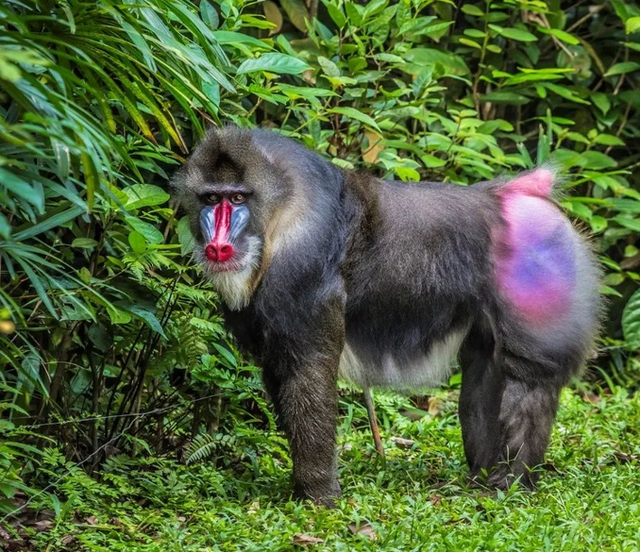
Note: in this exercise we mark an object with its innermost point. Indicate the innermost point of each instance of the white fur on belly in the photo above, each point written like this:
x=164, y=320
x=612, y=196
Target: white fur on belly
x=234, y=287
x=430, y=370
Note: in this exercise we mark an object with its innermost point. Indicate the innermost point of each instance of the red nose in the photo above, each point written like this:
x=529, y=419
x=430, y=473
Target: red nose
x=219, y=252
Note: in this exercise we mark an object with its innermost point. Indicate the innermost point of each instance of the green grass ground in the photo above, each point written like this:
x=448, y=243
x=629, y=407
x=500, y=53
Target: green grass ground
x=417, y=499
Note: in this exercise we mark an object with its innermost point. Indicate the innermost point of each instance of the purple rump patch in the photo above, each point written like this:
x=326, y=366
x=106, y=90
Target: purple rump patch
x=535, y=261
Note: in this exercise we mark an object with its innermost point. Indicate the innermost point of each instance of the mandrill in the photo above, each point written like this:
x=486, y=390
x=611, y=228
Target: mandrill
x=328, y=273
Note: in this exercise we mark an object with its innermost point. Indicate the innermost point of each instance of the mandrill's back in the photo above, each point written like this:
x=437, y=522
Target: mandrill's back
x=429, y=235
x=436, y=253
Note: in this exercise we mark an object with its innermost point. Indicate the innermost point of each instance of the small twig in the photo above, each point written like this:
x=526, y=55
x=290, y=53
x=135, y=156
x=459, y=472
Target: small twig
x=313, y=9
x=373, y=421
x=593, y=10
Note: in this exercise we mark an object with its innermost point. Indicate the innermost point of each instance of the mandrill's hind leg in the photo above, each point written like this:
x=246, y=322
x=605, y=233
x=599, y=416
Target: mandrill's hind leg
x=507, y=409
x=479, y=406
x=527, y=411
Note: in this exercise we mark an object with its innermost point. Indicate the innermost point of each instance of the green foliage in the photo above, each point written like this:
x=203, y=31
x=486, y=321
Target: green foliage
x=108, y=336
x=419, y=499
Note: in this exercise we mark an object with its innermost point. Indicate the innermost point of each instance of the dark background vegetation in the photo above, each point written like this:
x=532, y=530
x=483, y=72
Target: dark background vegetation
x=110, y=341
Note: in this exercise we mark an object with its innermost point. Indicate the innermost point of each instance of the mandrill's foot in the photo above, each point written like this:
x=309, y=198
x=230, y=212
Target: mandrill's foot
x=322, y=495
x=503, y=477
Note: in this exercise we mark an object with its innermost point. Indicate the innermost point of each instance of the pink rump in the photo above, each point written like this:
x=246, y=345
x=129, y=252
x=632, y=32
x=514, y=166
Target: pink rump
x=537, y=183
x=535, y=253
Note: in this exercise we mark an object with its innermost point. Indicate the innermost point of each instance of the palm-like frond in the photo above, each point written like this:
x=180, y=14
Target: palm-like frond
x=94, y=98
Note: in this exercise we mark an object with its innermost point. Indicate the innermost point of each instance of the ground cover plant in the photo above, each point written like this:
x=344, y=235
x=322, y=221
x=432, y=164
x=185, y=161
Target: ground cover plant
x=417, y=499
x=112, y=353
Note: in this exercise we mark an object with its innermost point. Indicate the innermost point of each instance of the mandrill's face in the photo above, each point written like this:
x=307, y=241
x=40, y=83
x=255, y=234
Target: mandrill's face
x=224, y=238
x=231, y=192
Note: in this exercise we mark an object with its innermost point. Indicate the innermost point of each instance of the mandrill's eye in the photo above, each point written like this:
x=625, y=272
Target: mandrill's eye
x=237, y=199
x=213, y=199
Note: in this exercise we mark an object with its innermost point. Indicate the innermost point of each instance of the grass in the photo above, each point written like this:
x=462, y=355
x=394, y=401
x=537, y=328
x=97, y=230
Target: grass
x=417, y=499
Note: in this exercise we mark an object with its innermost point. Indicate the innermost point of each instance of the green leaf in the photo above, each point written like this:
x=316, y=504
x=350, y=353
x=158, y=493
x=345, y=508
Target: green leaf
x=475, y=33
x=118, y=316
x=631, y=251
x=470, y=9
x=137, y=242
x=531, y=77
x=209, y=14
x=355, y=114
x=431, y=161
x=579, y=209
x=565, y=93
x=505, y=97
x=564, y=36
x=151, y=233
x=608, y=140
x=275, y=63
x=598, y=224
x=436, y=29
x=421, y=57
x=596, y=161
x=147, y=316
x=630, y=223
x=631, y=321
x=38, y=285
x=185, y=237
x=614, y=279
x=607, y=290
x=577, y=137
x=84, y=243
x=391, y=58
x=622, y=68
x=632, y=25
x=471, y=43
x=5, y=227
x=297, y=12
x=227, y=355
x=601, y=101
x=304, y=92
x=144, y=195
x=233, y=39
x=354, y=15
x=407, y=174
x=336, y=13
x=626, y=205
x=53, y=219
x=514, y=34
x=21, y=187
x=329, y=68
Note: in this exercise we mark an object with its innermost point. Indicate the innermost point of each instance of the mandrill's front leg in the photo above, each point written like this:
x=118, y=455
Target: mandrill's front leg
x=302, y=381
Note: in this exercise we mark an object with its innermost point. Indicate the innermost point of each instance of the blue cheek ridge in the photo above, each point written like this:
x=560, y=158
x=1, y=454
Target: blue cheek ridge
x=239, y=220
x=207, y=223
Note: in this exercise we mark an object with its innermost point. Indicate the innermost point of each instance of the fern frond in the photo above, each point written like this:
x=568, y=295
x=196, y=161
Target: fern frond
x=204, y=445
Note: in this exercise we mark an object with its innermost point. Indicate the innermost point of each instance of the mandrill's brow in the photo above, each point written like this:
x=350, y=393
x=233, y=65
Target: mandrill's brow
x=223, y=189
